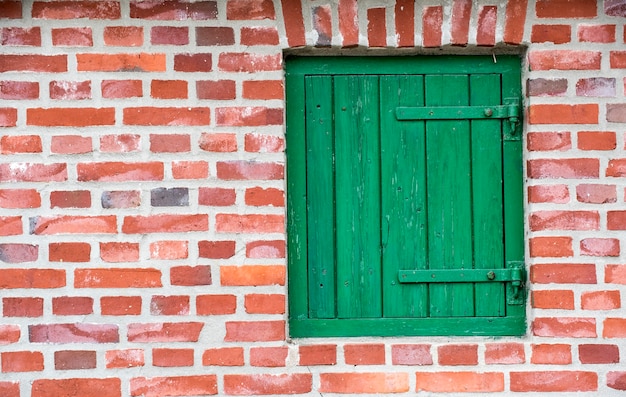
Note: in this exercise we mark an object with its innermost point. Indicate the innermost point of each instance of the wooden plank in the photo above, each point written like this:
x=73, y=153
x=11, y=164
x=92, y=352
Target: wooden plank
x=403, y=185
x=357, y=153
x=449, y=195
x=487, y=193
x=320, y=196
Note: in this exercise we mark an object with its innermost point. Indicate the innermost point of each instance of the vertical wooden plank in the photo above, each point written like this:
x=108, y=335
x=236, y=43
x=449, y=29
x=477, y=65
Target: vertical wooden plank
x=296, y=195
x=403, y=188
x=449, y=196
x=320, y=196
x=486, y=141
x=357, y=153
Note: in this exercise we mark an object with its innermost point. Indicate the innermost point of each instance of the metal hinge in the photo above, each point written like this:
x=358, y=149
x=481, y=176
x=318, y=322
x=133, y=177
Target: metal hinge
x=513, y=275
x=509, y=111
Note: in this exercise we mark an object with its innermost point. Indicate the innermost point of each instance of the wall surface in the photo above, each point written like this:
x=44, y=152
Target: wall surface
x=142, y=208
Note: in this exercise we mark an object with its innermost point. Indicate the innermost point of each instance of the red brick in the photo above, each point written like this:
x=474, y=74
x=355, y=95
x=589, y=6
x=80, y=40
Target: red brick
x=578, y=168
x=169, y=35
x=190, y=275
x=596, y=87
x=318, y=355
x=546, y=87
x=208, y=305
x=173, y=10
x=458, y=354
x=294, y=25
x=618, y=59
x=564, y=220
x=596, y=33
x=32, y=278
x=76, y=10
x=461, y=13
x=432, y=21
x=257, y=196
x=19, y=198
x=117, y=278
x=487, y=22
x=405, y=21
x=614, y=328
x=600, y=300
x=598, y=354
x=119, y=171
x=216, y=249
x=553, y=354
x=365, y=382
x=190, y=169
x=19, y=90
x=263, y=89
x=248, y=63
x=67, y=224
x=18, y=253
x=268, y=356
x=564, y=114
x=174, y=305
x=117, y=89
x=223, y=357
x=141, y=62
x=364, y=354
x=22, y=307
x=8, y=116
x=250, y=9
x=616, y=380
x=11, y=225
x=164, y=332
x=69, y=252
x=169, y=250
x=168, y=89
x=561, y=273
x=33, y=63
x=549, y=141
x=121, y=199
x=465, y=382
x=411, y=354
x=21, y=36
x=616, y=168
x=121, y=143
x=218, y=142
x=259, y=35
x=557, y=34
x=172, y=357
x=120, y=305
x=9, y=334
x=254, y=223
x=127, y=358
x=165, y=223
x=248, y=116
x=504, y=353
x=174, y=386
x=74, y=359
x=167, y=116
x=73, y=333
x=566, y=9
x=72, y=305
x=252, y=275
x=558, y=194
x=249, y=170
x=115, y=252
x=254, y=331
x=566, y=327
x=551, y=247
x=322, y=24
x=170, y=143
x=218, y=90
x=553, y=299
x=215, y=36
x=193, y=62
x=21, y=361
x=553, y=381
x=564, y=60
x=70, y=144
x=515, y=21
x=123, y=36
x=12, y=144
x=265, y=249
x=266, y=384
x=261, y=143
x=110, y=387
x=264, y=303
x=597, y=140
x=616, y=220
x=600, y=247
x=376, y=27
x=71, y=199
x=70, y=117
x=72, y=37
x=11, y=10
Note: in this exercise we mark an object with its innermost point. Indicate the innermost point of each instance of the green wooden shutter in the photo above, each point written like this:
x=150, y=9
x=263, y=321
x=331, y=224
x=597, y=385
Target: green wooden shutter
x=404, y=196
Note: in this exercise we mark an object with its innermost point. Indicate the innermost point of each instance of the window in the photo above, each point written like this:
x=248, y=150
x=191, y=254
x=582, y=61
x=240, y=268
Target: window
x=404, y=189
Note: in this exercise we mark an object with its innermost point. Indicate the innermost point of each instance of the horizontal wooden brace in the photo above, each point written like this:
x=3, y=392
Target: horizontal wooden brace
x=460, y=276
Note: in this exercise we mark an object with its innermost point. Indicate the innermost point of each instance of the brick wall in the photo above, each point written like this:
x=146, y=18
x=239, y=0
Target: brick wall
x=142, y=199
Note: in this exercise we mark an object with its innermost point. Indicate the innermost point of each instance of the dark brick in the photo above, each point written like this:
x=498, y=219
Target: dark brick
x=209, y=36
x=546, y=87
x=174, y=197
x=75, y=359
